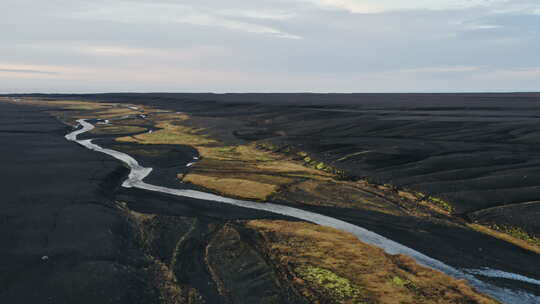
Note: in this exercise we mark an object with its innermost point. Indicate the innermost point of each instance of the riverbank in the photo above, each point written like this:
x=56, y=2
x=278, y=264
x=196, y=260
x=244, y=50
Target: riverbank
x=63, y=240
x=333, y=292
x=259, y=163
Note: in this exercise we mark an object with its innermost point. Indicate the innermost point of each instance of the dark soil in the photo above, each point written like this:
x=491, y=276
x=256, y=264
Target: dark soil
x=71, y=234
x=63, y=239
x=62, y=201
x=476, y=151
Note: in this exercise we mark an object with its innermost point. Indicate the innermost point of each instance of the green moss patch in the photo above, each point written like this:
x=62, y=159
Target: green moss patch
x=437, y=201
x=517, y=232
x=442, y=204
x=337, y=287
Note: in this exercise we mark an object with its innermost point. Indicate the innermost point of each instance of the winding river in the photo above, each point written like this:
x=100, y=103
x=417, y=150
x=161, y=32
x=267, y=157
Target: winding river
x=138, y=173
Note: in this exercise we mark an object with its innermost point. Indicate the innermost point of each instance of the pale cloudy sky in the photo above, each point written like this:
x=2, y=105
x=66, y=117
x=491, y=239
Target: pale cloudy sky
x=269, y=45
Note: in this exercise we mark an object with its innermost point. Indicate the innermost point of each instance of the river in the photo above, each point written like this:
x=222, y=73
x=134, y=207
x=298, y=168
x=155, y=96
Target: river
x=476, y=277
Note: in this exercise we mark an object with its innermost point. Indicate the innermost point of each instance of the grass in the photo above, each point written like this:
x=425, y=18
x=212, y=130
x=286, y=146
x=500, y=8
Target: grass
x=337, y=287
x=252, y=171
x=400, y=282
x=238, y=187
x=447, y=206
x=307, y=159
x=76, y=105
x=242, y=171
x=331, y=266
x=517, y=232
x=436, y=203
x=170, y=135
x=85, y=109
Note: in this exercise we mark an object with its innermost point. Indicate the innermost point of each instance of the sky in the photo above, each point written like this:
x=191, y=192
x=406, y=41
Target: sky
x=269, y=46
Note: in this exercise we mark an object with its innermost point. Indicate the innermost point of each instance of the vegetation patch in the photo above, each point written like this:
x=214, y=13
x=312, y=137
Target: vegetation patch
x=170, y=135
x=243, y=171
x=437, y=203
x=331, y=266
x=233, y=186
x=442, y=204
x=400, y=282
x=517, y=232
x=337, y=287
x=307, y=159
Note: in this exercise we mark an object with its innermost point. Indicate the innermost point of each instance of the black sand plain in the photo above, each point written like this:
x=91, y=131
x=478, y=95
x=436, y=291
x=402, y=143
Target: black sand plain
x=64, y=239
x=478, y=151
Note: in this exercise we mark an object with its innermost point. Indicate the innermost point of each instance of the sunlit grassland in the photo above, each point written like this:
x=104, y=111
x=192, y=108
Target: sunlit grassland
x=319, y=262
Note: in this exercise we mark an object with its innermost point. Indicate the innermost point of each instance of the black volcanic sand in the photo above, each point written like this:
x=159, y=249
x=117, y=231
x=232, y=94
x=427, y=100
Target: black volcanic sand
x=480, y=152
x=406, y=148
x=476, y=151
x=69, y=234
x=62, y=240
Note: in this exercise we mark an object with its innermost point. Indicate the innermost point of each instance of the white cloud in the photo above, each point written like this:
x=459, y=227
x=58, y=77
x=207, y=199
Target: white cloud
x=443, y=69
x=230, y=45
x=379, y=6
x=113, y=51
x=149, y=13
x=256, y=14
x=32, y=71
x=100, y=50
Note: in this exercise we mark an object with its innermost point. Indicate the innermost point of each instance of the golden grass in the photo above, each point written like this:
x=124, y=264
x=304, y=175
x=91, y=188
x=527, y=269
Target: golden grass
x=241, y=170
x=360, y=272
x=221, y=153
x=233, y=186
x=65, y=104
x=71, y=104
x=170, y=135
x=243, y=166
x=505, y=237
